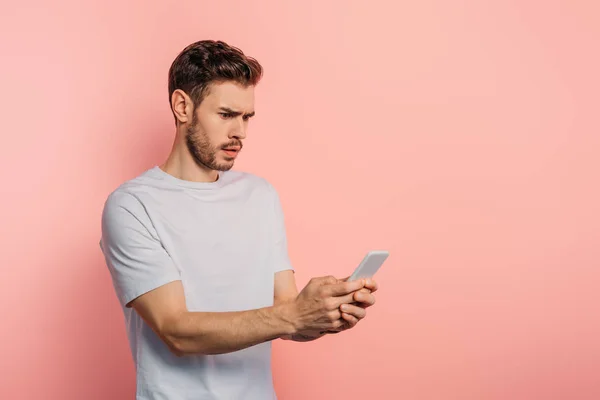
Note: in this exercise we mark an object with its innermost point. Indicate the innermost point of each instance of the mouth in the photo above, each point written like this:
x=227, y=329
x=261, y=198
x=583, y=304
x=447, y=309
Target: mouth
x=232, y=151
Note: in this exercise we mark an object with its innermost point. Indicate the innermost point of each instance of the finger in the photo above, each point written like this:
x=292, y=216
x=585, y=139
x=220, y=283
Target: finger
x=338, y=325
x=355, y=311
x=372, y=285
x=342, y=288
x=364, y=299
x=334, y=315
x=341, y=325
x=351, y=320
x=338, y=301
x=351, y=299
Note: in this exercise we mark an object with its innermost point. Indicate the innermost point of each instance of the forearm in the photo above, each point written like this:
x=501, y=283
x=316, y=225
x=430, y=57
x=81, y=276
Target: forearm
x=225, y=332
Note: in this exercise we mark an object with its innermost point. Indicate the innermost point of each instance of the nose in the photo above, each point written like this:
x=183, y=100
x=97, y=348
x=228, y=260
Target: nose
x=239, y=130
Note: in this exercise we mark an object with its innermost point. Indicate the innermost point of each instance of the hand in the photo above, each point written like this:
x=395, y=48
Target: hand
x=317, y=307
x=354, y=312
x=364, y=297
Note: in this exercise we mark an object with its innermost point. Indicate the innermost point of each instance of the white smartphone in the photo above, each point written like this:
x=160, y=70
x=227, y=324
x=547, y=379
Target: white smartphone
x=370, y=264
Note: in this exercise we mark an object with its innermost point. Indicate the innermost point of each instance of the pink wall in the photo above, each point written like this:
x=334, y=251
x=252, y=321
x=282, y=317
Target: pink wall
x=463, y=139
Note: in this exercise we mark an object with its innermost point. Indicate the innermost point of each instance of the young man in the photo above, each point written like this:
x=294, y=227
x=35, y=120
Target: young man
x=198, y=253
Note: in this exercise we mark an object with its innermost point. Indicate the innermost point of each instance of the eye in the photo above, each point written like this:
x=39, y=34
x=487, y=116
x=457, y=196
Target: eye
x=226, y=115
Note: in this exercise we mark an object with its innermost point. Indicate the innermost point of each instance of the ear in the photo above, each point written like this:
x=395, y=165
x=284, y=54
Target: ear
x=182, y=106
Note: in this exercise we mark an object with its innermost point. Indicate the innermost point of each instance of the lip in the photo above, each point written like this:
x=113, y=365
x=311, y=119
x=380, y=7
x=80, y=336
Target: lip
x=232, y=152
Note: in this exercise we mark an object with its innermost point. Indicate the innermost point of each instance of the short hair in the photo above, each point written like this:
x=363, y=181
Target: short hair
x=211, y=61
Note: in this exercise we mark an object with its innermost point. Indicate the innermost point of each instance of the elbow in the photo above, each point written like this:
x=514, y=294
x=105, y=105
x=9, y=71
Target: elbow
x=177, y=351
x=180, y=341
x=169, y=333
x=183, y=337
x=174, y=343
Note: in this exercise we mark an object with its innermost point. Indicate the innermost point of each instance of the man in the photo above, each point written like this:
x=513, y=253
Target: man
x=198, y=253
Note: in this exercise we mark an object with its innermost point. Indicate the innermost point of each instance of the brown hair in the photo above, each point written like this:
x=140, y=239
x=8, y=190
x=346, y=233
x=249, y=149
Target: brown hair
x=210, y=61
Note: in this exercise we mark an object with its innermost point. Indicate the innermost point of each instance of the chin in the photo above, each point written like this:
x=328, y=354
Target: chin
x=226, y=166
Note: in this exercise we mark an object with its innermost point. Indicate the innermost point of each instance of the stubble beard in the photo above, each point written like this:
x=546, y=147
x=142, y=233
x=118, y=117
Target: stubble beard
x=202, y=151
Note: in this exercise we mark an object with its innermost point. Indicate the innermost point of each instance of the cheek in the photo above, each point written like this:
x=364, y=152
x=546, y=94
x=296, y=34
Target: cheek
x=207, y=132
x=217, y=129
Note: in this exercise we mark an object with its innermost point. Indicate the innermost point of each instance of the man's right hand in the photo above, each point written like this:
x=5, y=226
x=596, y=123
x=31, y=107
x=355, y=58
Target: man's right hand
x=317, y=307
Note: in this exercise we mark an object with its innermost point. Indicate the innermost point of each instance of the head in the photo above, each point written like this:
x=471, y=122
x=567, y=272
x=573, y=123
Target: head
x=211, y=91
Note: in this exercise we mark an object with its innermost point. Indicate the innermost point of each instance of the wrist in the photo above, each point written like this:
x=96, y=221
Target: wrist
x=285, y=314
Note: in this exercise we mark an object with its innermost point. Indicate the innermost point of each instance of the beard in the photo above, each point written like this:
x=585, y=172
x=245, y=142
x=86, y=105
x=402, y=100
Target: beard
x=203, y=151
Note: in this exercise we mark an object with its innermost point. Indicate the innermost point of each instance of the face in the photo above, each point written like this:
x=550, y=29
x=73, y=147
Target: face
x=214, y=137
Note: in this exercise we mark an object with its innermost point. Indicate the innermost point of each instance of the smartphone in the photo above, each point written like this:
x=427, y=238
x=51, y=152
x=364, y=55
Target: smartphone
x=370, y=264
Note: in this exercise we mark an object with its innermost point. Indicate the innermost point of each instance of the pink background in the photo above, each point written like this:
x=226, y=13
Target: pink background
x=464, y=139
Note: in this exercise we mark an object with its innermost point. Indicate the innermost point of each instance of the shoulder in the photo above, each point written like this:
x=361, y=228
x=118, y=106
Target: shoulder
x=124, y=219
x=126, y=197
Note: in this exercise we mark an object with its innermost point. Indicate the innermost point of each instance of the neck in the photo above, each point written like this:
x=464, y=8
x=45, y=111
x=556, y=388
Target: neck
x=181, y=165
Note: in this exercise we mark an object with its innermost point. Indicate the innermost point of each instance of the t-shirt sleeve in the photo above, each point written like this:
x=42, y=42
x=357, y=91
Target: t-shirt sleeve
x=281, y=257
x=135, y=257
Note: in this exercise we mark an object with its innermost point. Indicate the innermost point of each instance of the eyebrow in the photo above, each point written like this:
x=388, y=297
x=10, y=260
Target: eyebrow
x=233, y=112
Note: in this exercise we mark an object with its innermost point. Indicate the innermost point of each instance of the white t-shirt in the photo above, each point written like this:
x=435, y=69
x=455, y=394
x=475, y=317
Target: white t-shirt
x=224, y=240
